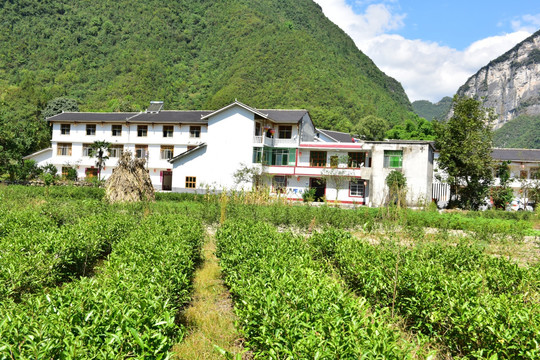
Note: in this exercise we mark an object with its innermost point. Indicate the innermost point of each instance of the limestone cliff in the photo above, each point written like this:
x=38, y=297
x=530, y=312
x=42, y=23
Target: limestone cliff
x=509, y=84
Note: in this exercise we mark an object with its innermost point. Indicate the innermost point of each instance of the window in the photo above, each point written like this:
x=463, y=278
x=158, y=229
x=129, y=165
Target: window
x=523, y=174
x=168, y=131
x=115, y=151
x=91, y=130
x=334, y=161
x=393, y=158
x=86, y=149
x=258, y=129
x=195, y=131
x=191, y=182
x=116, y=130
x=142, y=130
x=279, y=183
x=191, y=147
x=534, y=173
x=257, y=155
x=357, y=159
x=65, y=129
x=280, y=156
x=357, y=187
x=317, y=158
x=285, y=132
x=167, y=152
x=64, y=149
x=141, y=151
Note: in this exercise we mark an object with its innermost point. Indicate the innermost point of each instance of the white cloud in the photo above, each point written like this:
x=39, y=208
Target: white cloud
x=529, y=23
x=427, y=70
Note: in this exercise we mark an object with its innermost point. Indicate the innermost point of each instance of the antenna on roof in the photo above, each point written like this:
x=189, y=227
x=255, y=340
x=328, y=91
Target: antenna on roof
x=155, y=107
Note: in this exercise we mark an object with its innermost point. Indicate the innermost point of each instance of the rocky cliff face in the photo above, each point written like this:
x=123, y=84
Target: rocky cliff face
x=509, y=84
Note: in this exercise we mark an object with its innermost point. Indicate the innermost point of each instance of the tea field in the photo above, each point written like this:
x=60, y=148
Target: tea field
x=80, y=278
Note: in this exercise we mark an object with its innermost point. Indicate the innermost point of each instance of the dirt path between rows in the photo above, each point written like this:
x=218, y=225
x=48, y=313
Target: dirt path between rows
x=210, y=318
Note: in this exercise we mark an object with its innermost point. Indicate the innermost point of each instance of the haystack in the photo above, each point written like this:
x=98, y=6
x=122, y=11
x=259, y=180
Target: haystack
x=130, y=181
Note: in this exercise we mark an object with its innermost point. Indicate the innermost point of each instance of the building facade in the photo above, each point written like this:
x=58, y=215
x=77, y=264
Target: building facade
x=197, y=151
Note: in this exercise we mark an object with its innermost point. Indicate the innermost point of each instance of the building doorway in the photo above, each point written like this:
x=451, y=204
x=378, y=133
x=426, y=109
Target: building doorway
x=320, y=188
x=166, y=180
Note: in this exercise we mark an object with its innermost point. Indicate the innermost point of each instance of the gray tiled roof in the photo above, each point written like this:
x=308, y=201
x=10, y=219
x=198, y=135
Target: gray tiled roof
x=92, y=116
x=173, y=116
x=337, y=135
x=284, y=116
x=190, y=116
x=168, y=116
x=516, y=154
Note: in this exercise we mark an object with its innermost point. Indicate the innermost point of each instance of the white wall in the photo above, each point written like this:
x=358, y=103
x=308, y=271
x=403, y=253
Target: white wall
x=229, y=145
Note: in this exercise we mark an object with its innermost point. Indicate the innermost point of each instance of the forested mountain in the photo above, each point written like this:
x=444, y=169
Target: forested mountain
x=522, y=132
x=430, y=111
x=119, y=55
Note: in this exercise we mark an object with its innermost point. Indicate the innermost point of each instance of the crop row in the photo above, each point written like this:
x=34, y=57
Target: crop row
x=290, y=308
x=37, y=254
x=128, y=309
x=479, y=306
x=367, y=218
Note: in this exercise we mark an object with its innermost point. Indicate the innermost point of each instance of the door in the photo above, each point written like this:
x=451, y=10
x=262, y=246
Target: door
x=166, y=182
x=320, y=188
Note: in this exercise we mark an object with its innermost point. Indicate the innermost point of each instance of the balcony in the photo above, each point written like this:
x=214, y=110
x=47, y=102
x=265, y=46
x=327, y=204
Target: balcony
x=364, y=173
x=267, y=141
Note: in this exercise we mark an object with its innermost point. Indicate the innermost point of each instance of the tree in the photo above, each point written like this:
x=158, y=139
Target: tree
x=98, y=150
x=502, y=194
x=56, y=106
x=372, y=128
x=338, y=176
x=464, y=143
x=397, y=186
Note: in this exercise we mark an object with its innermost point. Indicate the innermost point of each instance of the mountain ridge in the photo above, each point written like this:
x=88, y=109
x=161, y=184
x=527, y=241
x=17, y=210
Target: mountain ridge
x=509, y=84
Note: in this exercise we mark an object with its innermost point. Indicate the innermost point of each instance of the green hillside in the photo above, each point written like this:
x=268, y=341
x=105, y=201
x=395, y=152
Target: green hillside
x=522, y=132
x=117, y=56
x=430, y=111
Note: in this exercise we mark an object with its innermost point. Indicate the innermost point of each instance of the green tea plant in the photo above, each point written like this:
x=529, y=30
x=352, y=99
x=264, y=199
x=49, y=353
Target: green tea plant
x=477, y=305
x=128, y=309
x=290, y=308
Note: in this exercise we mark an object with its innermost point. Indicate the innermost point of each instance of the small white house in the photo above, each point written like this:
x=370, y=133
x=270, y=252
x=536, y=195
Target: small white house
x=193, y=151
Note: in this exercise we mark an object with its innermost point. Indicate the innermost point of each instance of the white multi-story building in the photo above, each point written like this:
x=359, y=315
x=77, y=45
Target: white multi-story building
x=192, y=151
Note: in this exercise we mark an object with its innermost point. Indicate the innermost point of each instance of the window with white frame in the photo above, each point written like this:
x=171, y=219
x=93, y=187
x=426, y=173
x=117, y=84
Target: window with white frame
x=357, y=188
x=115, y=151
x=257, y=155
x=393, y=158
x=65, y=129
x=90, y=129
x=141, y=151
x=64, y=149
x=166, y=152
x=116, y=130
x=279, y=184
x=86, y=149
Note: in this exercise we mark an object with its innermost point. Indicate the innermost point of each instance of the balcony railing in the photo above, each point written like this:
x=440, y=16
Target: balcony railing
x=273, y=141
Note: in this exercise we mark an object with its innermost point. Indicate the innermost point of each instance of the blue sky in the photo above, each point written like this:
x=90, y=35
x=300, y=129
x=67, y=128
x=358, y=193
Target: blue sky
x=432, y=47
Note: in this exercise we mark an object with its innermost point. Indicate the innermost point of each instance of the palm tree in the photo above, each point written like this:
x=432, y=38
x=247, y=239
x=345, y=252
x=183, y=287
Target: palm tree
x=99, y=150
